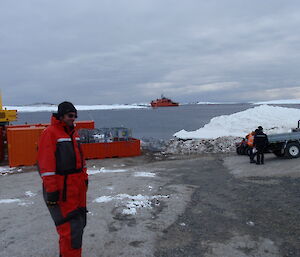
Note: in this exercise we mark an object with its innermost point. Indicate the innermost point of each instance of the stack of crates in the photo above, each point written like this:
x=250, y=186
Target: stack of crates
x=121, y=134
x=105, y=135
x=102, y=135
x=109, y=143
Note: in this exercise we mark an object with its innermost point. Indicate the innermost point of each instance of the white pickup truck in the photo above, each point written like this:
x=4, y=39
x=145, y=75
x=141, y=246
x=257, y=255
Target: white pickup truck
x=282, y=145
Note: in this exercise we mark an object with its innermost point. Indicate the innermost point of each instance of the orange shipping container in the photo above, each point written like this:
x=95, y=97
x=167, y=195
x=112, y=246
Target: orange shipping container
x=113, y=149
x=27, y=125
x=23, y=142
x=1, y=144
x=90, y=124
x=22, y=145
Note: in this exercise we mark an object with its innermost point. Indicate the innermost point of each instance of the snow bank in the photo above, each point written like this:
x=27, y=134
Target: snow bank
x=287, y=101
x=272, y=119
x=53, y=108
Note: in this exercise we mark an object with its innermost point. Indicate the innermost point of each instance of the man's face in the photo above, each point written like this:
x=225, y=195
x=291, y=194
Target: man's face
x=69, y=118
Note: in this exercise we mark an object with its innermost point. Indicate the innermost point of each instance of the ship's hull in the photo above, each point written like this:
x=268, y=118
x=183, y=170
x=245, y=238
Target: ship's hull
x=157, y=104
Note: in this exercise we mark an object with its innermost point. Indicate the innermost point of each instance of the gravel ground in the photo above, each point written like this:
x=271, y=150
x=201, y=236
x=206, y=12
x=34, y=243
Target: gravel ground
x=165, y=205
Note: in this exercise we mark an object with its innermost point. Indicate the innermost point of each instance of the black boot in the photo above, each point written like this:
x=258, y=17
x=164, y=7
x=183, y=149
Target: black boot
x=258, y=158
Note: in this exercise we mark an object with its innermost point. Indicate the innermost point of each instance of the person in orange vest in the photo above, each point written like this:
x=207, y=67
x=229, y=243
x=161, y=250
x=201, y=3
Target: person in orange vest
x=65, y=181
x=250, y=142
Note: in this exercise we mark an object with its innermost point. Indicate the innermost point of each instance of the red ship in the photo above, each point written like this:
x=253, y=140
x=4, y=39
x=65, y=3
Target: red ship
x=163, y=102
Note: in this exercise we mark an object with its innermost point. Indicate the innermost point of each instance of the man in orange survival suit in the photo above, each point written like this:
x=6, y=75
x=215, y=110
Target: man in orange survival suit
x=65, y=180
x=250, y=145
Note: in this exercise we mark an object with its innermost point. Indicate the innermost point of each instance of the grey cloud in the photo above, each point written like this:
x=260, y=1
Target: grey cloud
x=129, y=51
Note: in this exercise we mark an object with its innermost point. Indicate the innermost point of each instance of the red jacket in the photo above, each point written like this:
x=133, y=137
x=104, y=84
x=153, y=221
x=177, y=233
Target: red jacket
x=59, y=155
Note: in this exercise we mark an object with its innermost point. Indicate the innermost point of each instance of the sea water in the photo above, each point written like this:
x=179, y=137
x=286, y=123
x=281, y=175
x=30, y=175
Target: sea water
x=157, y=123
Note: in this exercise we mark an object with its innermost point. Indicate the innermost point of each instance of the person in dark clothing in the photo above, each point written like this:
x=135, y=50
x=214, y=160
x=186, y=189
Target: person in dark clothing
x=260, y=143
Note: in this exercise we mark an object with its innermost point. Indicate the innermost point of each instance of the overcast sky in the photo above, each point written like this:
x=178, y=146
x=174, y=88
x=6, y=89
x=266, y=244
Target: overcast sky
x=131, y=51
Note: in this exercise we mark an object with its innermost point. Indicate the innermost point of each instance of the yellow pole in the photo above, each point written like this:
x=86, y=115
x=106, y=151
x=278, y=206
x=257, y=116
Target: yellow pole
x=1, y=107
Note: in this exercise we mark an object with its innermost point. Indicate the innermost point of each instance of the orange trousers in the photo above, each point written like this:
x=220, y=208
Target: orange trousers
x=69, y=215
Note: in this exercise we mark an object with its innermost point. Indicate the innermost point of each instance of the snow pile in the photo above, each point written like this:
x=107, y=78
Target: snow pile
x=103, y=170
x=53, y=108
x=145, y=174
x=198, y=146
x=273, y=119
x=132, y=202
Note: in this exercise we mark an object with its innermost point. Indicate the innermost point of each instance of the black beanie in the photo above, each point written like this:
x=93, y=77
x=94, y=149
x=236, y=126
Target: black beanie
x=64, y=108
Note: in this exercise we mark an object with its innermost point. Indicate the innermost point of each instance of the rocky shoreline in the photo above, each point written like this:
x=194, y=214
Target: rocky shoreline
x=192, y=146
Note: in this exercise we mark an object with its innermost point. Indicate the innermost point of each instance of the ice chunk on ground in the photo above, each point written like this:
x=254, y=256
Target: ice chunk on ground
x=30, y=194
x=103, y=170
x=104, y=199
x=14, y=200
x=132, y=202
x=10, y=201
x=144, y=174
x=26, y=203
x=129, y=211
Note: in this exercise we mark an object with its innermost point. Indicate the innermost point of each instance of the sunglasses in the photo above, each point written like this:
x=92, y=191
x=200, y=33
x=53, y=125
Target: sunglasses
x=70, y=115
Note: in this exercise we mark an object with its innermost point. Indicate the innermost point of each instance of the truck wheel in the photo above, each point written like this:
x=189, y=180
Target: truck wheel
x=278, y=153
x=292, y=150
x=242, y=150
